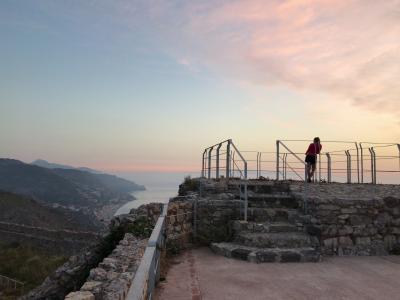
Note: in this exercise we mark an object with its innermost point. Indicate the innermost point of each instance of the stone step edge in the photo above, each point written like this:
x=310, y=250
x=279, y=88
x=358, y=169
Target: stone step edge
x=265, y=227
x=266, y=255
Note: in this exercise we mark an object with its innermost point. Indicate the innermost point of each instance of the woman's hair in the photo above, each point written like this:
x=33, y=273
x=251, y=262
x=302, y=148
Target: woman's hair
x=317, y=140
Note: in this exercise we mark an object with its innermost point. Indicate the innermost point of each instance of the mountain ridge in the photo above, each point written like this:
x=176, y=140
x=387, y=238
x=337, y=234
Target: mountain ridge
x=65, y=187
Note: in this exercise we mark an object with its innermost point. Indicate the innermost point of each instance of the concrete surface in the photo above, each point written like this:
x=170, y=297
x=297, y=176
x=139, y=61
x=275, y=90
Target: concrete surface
x=201, y=274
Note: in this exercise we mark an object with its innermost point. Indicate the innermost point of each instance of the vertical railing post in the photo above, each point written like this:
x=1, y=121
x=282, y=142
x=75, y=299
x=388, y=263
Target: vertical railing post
x=329, y=170
x=319, y=165
x=245, y=170
x=228, y=159
x=305, y=196
x=245, y=200
x=372, y=165
x=284, y=165
x=348, y=166
x=217, y=162
x=203, y=166
x=259, y=165
x=358, y=164
x=209, y=162
x=374, y=161
x=362, y=163
x=232, y=174
x=398, y=146
x=277, y=159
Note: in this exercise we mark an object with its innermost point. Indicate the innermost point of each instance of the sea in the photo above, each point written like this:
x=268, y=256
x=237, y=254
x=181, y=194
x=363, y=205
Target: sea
x=160, y=187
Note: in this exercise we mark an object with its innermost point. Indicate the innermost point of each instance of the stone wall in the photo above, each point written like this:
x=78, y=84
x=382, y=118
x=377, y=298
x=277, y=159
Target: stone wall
x=66, y=242
x=112, y=278
x=130, y=233
x=215, y=215
x=179, y=223
x=354, y=219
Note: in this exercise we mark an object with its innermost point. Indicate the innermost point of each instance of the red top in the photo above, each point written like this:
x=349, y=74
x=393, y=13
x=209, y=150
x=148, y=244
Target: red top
x=313, y=149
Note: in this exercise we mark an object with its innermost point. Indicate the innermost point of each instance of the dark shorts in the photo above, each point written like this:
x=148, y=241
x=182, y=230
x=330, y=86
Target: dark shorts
x=311, y=159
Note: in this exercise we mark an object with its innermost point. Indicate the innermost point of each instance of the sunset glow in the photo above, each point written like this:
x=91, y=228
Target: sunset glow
x=146, y=85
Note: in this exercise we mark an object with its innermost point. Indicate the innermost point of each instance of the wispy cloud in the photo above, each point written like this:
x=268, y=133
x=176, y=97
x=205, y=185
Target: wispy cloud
x=349, y=49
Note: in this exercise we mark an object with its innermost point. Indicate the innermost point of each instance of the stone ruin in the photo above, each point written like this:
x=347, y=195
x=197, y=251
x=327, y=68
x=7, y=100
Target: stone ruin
x=341, y=219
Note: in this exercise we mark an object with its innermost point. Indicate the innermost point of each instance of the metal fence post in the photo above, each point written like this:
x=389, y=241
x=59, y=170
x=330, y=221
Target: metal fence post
x=277, y=159
x=319, y=165
x=209, y=162
x=217, y=162
x=203, y=166
x=358, y=164
x=398, y=146
x=372, y=165
x=195, y=217
x=284, y=165
x=245, y=200
x=350, y=170
x=362, y=163
x=374, y=161
x=228, y=159
x=329, y=171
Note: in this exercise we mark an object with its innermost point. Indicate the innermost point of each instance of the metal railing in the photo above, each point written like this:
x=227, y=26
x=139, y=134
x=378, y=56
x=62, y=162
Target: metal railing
x=9, y=283
x=349, y=164
x=231, y=161
x=343, y=162
x=148, y=272
x=305, y=194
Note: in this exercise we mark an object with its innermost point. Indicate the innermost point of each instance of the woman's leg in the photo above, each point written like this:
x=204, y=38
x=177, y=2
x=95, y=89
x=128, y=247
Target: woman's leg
x=313, y=170
x=308, y=172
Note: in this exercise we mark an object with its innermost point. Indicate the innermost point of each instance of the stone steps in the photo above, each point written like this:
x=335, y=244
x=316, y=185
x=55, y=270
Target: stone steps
x=239, y=226
x=275, y=239
x=268, y=187
x=275, y=214
x=266, y=255
x=272, y=200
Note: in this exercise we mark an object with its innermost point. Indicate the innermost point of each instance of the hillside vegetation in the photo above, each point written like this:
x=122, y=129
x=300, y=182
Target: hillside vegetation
x=26, y=265
x=26, y=211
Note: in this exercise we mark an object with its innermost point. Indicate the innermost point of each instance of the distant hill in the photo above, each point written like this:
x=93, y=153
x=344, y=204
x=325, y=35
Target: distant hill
x=63, y=186
x=45, y=164
x=39, y=183
x=112, y=182
x=26, y=211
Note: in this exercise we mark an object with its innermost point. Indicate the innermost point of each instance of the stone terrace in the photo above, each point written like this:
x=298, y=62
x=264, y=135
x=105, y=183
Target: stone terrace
x=201, y=274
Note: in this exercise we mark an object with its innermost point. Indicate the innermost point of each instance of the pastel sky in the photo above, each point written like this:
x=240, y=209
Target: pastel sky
x=146, y=85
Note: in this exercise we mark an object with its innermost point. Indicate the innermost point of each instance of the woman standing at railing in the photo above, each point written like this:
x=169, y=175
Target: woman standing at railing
x=311, y=157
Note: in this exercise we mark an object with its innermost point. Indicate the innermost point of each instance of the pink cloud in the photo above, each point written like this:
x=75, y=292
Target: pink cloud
x=349, y=49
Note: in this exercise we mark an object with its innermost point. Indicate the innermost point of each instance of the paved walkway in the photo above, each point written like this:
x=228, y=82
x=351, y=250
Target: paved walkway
x=200, y=274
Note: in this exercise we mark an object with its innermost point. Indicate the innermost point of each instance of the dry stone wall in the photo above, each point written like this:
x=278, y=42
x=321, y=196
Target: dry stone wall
x=353, y=219
x=179, y=223
x=111, y=279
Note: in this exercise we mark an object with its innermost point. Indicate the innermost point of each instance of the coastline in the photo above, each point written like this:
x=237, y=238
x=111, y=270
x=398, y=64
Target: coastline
x=105, y=213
